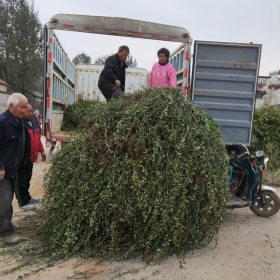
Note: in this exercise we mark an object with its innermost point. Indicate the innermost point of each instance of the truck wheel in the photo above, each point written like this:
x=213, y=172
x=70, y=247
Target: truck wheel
x=271, y=207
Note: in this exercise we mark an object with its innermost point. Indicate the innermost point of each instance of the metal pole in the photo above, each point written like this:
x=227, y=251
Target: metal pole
x=44, y=80
x=186, y=68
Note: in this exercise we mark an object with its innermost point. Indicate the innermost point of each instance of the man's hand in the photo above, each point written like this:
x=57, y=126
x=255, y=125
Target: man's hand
x=118, y=83
x=43, y=156
x=2, y=174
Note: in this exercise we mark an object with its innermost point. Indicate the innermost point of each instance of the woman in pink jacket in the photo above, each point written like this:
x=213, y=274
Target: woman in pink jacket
x=163, y=73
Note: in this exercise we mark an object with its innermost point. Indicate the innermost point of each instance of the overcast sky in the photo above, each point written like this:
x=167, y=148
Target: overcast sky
x=241, y=21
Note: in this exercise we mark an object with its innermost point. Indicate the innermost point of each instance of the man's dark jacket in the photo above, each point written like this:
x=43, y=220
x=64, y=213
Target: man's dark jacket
x=11, y=138
x=113, y=70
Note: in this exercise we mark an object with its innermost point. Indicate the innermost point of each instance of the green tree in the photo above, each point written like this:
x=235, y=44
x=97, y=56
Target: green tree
x=129, y=60
x=21, y=45
x=81, y=59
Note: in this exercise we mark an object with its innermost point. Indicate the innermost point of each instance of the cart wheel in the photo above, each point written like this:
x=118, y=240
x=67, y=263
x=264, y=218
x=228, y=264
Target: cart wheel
x=271, y=207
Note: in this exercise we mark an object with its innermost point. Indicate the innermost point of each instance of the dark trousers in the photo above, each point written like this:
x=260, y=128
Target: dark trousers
x=6, y=208
x=23, y=178
x=110, y=91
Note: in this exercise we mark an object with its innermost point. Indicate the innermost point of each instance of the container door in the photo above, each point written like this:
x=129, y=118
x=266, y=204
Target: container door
x=224, y=82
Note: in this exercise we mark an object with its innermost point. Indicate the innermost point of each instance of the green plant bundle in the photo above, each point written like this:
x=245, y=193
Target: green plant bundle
x=147, y=177
x=76, y=115
x=266, y=134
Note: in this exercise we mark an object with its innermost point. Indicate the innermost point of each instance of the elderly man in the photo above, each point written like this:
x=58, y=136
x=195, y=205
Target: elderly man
x=24, y=173
x=112, y=78
x=13, y=143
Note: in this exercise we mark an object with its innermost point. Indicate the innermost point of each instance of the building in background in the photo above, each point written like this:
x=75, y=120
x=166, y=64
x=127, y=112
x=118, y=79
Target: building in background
x=268, y=90
x=4, y=96
x=36, y=100
x=3, y=86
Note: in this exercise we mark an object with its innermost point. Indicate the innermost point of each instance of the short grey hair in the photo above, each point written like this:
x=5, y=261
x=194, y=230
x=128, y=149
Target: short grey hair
x=15, y=98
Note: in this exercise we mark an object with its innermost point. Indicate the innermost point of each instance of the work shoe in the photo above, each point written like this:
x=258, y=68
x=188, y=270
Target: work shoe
x=11, y=239
x=16, y=226
x=34, y=200
x=28, y=207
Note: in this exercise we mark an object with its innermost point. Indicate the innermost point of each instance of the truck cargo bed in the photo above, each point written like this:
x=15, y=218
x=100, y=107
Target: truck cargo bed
x=61, y=136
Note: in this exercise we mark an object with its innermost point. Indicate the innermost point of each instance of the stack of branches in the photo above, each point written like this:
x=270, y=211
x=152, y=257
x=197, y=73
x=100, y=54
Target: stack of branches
x=147, y=176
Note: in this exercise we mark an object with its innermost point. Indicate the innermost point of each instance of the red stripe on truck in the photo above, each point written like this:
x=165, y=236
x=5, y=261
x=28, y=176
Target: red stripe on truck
x=50, y=57
x=187, y=57
x=88, y=28
x=173, y=38
x=155, y=36
x=48, y=87
x=107, y=31
x=185, y=73
x=48, y=83
x=68, y=26
x=138, y=35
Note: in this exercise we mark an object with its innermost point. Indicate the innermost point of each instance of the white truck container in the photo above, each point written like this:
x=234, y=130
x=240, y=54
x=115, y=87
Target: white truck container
x=87, y=75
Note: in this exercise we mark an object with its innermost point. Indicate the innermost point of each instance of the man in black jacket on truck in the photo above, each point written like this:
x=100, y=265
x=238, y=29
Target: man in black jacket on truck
x=112, y=78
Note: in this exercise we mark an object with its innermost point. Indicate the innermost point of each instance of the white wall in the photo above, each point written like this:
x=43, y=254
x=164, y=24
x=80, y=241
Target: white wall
x=3, y=101
x=3, y=88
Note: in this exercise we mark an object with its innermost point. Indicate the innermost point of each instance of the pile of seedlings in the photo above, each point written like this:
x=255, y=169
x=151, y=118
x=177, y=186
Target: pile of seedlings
x=147, y=176
x=76, y=115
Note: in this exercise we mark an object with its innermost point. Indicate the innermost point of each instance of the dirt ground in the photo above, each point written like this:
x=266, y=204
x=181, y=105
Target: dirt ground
x=248, y=247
